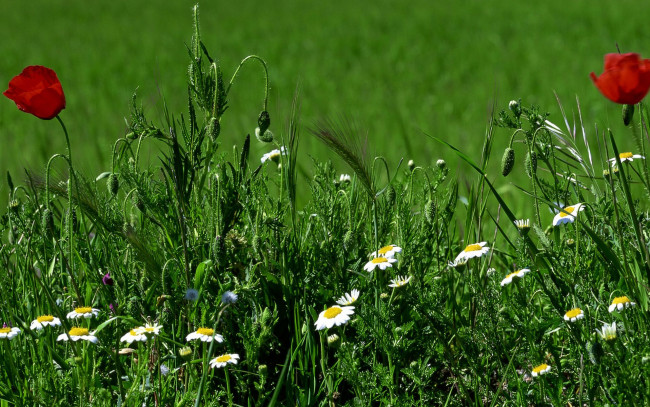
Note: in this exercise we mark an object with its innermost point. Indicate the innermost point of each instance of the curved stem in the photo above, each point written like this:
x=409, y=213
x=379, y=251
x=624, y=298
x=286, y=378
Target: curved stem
x=266, y=76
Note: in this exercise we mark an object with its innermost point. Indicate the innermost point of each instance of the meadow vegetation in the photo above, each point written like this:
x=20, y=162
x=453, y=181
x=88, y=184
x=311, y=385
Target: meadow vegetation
x=197, y=277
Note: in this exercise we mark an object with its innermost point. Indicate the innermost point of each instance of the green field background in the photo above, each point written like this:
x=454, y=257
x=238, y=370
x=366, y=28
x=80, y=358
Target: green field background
x=397, y=68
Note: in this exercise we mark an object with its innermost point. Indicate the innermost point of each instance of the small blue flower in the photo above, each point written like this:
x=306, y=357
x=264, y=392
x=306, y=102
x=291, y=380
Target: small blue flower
x=229, y=297
x=191, y=294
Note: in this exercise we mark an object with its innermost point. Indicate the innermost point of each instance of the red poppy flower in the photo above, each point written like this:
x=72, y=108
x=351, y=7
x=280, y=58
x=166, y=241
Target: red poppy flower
x=626, y=79
x=37, y=90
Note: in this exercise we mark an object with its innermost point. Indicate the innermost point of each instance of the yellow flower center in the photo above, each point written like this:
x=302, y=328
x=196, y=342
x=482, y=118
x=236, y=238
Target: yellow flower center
x=132, y=332
x=223, y=358
x=473, y=247
x=621, y=300
x=625, y=155
x=150, y=329
x=512, y=274
x=205, y=331
x=540, y=368
x=385, y=249
x=45, y=318
x=566, y=211
x=78, y=332
x=377, y=260
x=83, y=310
x=573, y=313
x=5, y=330
x=332, y=312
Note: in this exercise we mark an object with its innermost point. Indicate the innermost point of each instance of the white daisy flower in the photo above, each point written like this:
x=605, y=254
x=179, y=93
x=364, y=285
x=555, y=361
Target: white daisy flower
x=345, y=178
x=223, y=360
x=77, y=334
x=381, y=262
x=541, y=370
x=568, y=214
x=607, y=332
x=386, y=251
x=149, y=329
x=204, y=335
x=626, y=156
x=274, y=155
x=334, y=315
x=400, y=281
x=509, y=277
x=43, y=321
x=8, y=333
x=83, y=312
x=523, y=225
x=349, y=299
x=456, y=263
x=134, y=335
x=574, y=315
x=619, y=303
x=472, y=250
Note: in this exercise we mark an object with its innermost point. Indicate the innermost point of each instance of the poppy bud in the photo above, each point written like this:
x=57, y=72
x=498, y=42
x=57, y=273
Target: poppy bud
x=264, y=137
x=113, y=184
x=508, y=161
x=530, y=164
x=47, y=222
x=628, y=114
x=264, y=121
x=348, y=239
x=515, y=107
x=595, y=351
x=71, y=220
x=430, y=211
x=138, y=202
x=390, y=195
x=214, y=128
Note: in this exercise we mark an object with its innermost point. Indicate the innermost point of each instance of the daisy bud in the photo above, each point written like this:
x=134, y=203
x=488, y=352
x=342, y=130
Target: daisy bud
x=508, y=161
x=113, y=184
x=47, y=222
x=264, y=137
x=262, y=370
x=441, y=164
x=411, y=165
x=515, y=107
x=530, y=164
x=214, y=128
x=628, y=114
x=430, y=211
x=264, y=121
x=185, y=353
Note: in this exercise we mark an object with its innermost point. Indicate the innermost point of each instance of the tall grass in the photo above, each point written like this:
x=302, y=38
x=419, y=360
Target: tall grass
x=209, y=238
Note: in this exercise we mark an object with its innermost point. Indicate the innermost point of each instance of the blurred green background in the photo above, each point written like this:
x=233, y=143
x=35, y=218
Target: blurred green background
x=398, y=68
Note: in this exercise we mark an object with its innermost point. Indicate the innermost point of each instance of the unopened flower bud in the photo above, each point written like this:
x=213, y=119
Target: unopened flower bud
x=441, y=164
x=628, y=114
x=508, y=161
x=430, y=211
x=411, y=165
x=595, y=351
x=265, y=137
x=530, y=164
x=185, y=353
x=47, y=222
x=214, y=128
x=113, y=184
x=515, y=107
x=264, y=121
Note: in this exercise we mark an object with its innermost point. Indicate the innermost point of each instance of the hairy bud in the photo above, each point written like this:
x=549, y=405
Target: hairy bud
x=595, y=351
x=113, y=184
x=530, y=164
x=508, y=161
x=430, y=211
x=264, y=121
x=515, y=107
x=265, y=137
x=214, y=128
x=47, y=222
x=628, y=114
